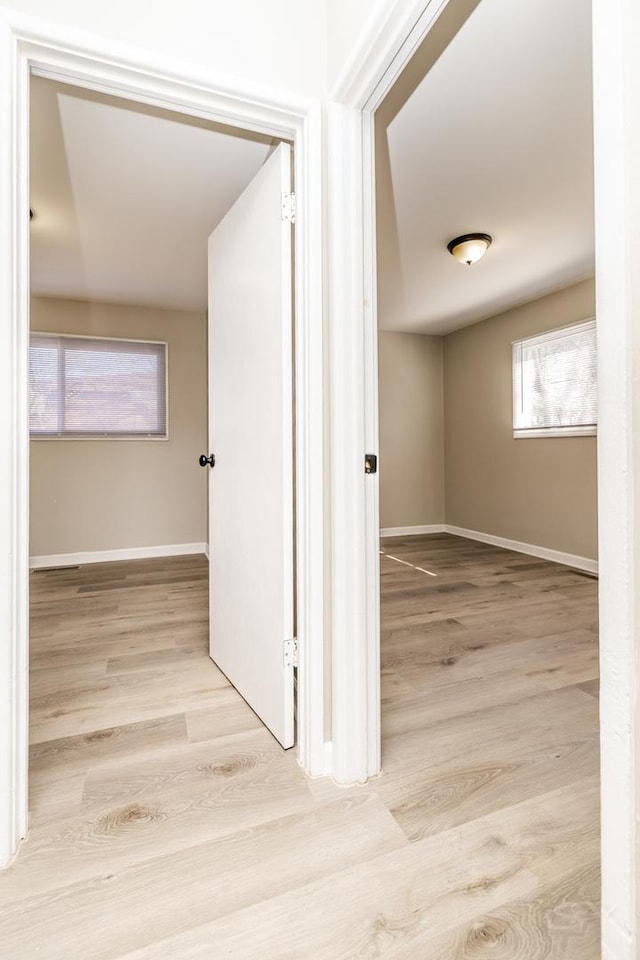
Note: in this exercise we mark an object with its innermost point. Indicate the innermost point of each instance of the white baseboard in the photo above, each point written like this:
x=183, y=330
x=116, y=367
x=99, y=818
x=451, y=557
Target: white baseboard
x=412, y=531
x=532, y=550
x=128, y=553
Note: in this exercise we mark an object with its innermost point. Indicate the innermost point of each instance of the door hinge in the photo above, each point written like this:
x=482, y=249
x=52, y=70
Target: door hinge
x=291, y=653
x=289, y=207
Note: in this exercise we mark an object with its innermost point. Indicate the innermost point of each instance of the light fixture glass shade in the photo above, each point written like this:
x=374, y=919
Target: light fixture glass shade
x=470, y=247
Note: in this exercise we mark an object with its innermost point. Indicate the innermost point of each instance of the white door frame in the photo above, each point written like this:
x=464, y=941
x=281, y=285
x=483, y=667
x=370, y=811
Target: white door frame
x=380, y=56
x=29, y=45
x=382, y=53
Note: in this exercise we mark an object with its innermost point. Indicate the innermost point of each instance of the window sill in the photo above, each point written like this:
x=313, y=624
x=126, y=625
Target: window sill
x=97, y=436
x=543, y=432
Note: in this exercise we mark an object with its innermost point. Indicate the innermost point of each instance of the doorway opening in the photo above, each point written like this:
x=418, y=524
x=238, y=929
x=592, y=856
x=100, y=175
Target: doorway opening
x=263, y=143
x=110, y=71
x=488, y=555
x=128, y=538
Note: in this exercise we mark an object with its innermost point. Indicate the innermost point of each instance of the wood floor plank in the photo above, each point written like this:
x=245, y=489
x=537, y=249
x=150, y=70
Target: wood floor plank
x=167, y=823
x=216, y=878
x=226, y=714
x=592, y=687
x=393, y=688
x=173, y=800
x=451, y=699
x=389, y=907
x=53, y=798
x=561, y=922
x=129, y=742
x=171, y=656
x=554, y=660
x=478, y=762
x=555, y=832
x=132, y=697
x=47, y=680
x=60, y=651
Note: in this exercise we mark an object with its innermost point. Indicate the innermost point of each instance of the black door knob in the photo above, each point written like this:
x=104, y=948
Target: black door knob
x=204, y=460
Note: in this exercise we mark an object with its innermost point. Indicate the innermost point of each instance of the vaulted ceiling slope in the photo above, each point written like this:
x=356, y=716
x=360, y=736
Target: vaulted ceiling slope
x=125, y=196
x=497, y=138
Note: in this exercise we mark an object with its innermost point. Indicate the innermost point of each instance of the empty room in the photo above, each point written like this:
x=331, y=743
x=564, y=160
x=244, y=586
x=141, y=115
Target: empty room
x=137, y=216
x=488, y=389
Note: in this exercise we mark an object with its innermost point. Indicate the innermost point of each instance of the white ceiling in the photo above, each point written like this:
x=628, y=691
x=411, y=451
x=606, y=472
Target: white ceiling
x=498, y=139
x=125, y=197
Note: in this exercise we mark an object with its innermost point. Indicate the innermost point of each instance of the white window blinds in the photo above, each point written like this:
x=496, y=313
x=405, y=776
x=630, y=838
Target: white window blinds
x=92, y=387
x=555, y=384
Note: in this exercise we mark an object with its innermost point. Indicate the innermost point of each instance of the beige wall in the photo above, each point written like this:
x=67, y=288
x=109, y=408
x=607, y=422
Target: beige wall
x=411, y=430
x=539, y=491
x=111, y=494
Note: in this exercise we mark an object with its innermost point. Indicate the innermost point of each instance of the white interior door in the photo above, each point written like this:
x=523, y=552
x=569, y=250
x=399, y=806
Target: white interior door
x=251, y=436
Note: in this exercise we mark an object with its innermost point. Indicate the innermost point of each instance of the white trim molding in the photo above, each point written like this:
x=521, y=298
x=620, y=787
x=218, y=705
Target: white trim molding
x=355, y=664
x=531, y=549
x=389, y=39
x=328, y=758
x=108, y=556
x=384, y=46
x=387, y=43
x=30, y=45
x=413, y=531
x=616, y=85
x=540, y=433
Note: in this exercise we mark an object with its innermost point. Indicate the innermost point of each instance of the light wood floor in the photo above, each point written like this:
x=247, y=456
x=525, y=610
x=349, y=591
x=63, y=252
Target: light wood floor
x=167, y=824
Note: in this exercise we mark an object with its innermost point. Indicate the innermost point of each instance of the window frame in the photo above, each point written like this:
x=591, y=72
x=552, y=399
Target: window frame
x=107, y=437
x=571, y=430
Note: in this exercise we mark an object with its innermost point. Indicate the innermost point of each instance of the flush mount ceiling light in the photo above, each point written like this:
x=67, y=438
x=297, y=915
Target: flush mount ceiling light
x=469, y=247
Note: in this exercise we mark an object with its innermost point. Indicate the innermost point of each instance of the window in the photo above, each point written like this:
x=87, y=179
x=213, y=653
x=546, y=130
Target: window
x=555, y=383
x=90, y=387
